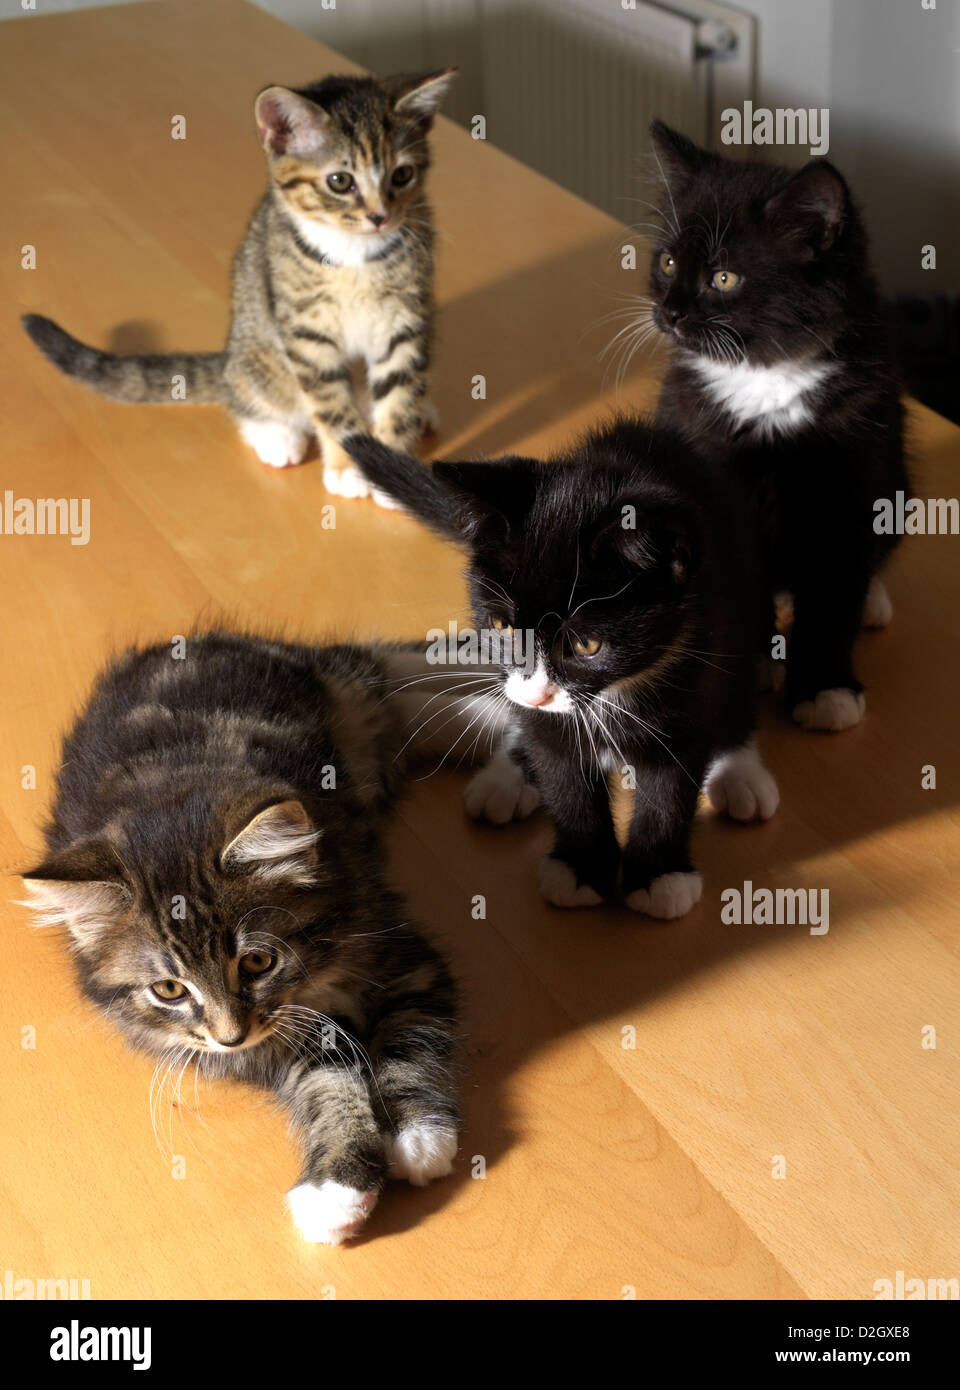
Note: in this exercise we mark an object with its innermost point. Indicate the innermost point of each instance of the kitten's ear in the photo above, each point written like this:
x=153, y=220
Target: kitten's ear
x=83, y=888
x=677, y=154
x=419, y=94
x=665, y=539
x=278, y=843
x=289, y=123
x=810, y=209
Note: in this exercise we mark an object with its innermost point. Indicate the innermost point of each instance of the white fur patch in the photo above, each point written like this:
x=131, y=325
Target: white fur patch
x=737, y=782
x=339, y=246
x=773, y=399
x=831, y=710
x=421, y=1153
x=275, y=444
x=499, y=792
x=877, y=608
x=345, y=482
x=537, y=692
x=329, y=1213
x=670, y=895
x=558, y=884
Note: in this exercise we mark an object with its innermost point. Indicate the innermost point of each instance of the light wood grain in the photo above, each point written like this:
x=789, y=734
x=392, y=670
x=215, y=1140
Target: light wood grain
x=606, y=1167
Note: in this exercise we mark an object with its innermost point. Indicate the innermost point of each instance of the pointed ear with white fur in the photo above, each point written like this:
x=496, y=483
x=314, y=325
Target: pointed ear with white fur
x=82, y=888
x=289, y=123
x=420, y=95
x=279, y=843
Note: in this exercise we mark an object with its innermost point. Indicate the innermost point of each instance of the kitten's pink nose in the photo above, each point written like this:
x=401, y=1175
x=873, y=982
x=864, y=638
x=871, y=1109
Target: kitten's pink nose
x=541, y=696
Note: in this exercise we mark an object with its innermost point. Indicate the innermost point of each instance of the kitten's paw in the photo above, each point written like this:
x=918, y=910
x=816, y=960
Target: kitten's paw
x=739, y=784
x=670, y=895
x=345, y=480
x=558, y=884
x=421, y=1153
x=500, y=793
x=327, y=1213
x=831, y=710
x=877, y=608
x=429, y=418
x=275, y=444
x=384, y=500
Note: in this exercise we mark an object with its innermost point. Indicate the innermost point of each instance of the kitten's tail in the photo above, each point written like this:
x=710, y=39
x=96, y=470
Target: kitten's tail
x=408, y=481
x=147, y=377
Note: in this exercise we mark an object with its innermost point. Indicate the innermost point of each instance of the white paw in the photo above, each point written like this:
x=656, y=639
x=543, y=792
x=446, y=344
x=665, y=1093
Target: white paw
x=670, y=895
x=421, y=1153
x=739, y=784
x=429, y=417
x=558, y=884
x=383, y=499
x=347, y=481
x=328, y=1213
x=500, y=793
x=831, y=710
x=275, y=444
x=877, y=608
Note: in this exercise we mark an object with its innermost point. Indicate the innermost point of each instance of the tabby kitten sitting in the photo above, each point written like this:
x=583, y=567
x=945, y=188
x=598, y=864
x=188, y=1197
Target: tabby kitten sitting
x=336, y=269
x=214, y=852
x=782, y=374
x=623, y=566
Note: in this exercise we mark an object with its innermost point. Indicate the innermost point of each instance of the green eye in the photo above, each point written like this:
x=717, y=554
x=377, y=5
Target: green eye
x=667, y=264
x=340, y=182
x=256, y=962
x=402, y=175
x=169, y=991
x=725, y=280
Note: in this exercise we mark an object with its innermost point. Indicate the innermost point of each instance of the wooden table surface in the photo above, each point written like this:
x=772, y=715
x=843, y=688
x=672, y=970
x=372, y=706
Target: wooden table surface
x=608, y=1167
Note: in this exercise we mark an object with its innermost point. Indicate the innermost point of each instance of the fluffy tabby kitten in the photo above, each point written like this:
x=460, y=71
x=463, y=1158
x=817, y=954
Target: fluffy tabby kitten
x=624, y=565
x=336, y=269
x=214, y=852
x=782, y=373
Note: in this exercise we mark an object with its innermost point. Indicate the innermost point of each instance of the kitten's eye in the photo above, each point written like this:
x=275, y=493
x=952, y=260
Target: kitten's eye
x=667, y=264
x=588, y=646
x=256, y=962
x=402, y=175
x=340, y=182
x=501, y=626
x=725, y=280
x=168, y=990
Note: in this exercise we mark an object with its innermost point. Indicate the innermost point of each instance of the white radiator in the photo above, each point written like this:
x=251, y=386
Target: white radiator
x=571, y=86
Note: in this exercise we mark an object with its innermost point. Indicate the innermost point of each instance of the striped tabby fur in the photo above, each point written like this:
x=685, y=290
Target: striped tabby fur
x=215, y=854
x=335, y=273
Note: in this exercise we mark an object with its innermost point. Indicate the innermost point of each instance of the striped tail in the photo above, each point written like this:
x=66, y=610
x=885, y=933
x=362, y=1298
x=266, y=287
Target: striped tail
x=148, y=377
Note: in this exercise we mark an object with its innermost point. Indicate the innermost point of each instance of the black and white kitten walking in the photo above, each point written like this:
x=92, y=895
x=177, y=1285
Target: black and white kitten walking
x=781, y=372
x=623, y=566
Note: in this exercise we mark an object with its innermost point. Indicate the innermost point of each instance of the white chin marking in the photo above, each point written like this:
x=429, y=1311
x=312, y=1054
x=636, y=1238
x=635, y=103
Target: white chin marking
x=500, y=792
x=831, y=710
x=345, y=482
x=670, y=895
x=421, y=1153
x=738, y=783
x=877, y=609
x=558, y=884
x=518, y=687
x=275, y=444
x=328, y=1213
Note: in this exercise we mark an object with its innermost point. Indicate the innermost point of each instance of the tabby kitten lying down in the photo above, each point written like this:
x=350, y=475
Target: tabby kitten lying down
x=624, y=564
x=782, y=374
x=214, y=852
x=336, y=270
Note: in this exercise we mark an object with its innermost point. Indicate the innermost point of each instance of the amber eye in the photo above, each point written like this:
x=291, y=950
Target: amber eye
x=589, y=646
x=501, y=626
x=340, y=182
x=402, y=175
x=256, y=962
x=667, y=264
x=725, y=280
x=169, y=990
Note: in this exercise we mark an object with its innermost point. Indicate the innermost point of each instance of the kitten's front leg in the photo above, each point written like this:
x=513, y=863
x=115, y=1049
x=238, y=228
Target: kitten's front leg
x=658, y=876
x=323, y=374
x=581, y=869
x=345, y=1162
x=412, y=1049
x=822, y=690
x=398, y=387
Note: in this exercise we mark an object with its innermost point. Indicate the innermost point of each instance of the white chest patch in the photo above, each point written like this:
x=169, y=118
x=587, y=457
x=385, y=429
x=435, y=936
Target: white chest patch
x=772, y=399
x=342, y=248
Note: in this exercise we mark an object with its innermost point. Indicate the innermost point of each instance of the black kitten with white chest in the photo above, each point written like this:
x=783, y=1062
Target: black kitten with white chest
x=781, y=373
x=624, y=565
